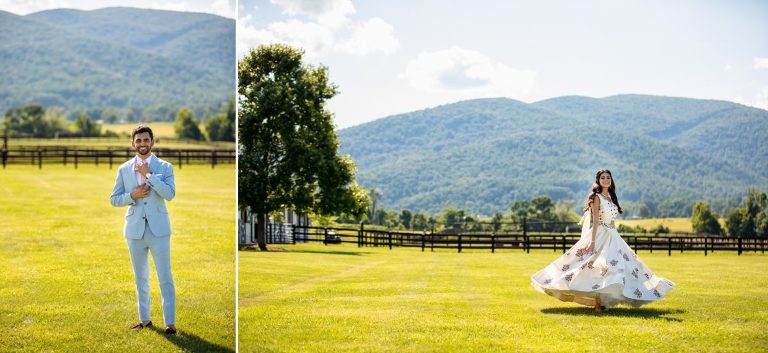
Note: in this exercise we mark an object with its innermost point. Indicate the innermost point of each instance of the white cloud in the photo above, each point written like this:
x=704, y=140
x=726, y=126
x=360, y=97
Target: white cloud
x=330, y=13
x=312, y=37
x=328, y=28
x=760, y=63
x=469, y=72
x=370, y=36
x=727, y=68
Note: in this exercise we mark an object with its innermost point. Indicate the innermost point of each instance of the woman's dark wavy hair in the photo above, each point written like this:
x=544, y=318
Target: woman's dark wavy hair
x=596, y=189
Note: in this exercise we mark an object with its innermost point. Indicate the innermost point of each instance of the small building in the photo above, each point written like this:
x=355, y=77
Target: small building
x=284, y=229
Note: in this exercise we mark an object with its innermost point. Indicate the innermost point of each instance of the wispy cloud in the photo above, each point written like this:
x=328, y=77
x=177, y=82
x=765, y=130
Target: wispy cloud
x=469, y=72
x=370, y=36
x=320, y=27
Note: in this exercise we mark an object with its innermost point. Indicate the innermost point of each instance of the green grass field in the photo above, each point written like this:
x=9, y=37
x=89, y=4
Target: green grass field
x=682, y=225
x=67, y=281
x=341, y=298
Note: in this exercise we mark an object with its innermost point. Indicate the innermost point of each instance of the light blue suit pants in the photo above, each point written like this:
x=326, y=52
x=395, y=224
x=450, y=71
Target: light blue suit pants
x=161, y=255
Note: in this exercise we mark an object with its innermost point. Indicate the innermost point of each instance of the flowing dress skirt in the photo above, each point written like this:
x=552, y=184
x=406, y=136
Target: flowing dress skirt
x=612, y=274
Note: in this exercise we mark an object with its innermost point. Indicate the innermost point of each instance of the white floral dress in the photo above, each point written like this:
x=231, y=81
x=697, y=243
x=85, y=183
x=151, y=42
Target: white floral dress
x=613, y=273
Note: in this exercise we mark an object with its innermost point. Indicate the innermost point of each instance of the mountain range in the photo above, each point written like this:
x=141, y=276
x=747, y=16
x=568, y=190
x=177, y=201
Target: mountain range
x=123, y=58
x=482, y=155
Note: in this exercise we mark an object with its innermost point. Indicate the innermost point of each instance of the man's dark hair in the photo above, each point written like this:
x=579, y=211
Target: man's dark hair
x=142, y=128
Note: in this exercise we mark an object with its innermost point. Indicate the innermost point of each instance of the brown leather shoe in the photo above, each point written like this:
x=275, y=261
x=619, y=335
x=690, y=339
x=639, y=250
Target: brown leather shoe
x=141, y=325
x=170, y=330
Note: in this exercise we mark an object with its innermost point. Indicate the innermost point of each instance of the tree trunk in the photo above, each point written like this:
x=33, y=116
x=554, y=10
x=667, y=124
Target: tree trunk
x=261, y=226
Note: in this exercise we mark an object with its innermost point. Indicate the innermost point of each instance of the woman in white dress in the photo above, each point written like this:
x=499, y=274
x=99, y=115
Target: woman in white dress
x=601, y=270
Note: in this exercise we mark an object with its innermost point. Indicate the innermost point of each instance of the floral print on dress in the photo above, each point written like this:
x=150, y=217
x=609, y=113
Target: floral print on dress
x=595, y=286
x=626, y=258
x=565, y=267
x=603, y=270
x=569, y=277
x=548, y=281
x=656, y=293
x=637, y=293
x=634, y=273
x=614, y=262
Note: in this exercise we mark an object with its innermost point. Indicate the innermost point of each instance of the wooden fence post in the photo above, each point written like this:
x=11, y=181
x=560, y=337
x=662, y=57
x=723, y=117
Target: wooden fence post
x=526, y=244
x=739, y=246
x=650, y=243
x=493, y=242
x=554, y=244
x=669, y=246
x=390, y=239
x=563, y=244
x=705, y=246
x=459, y=242
x=360, y=235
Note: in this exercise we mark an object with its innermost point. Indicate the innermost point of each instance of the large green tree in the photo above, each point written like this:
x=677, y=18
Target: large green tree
x=704, y=220
x=221, y=127
x=288, y=148
x=186, y=126
x=87, y=127
x=33, y=120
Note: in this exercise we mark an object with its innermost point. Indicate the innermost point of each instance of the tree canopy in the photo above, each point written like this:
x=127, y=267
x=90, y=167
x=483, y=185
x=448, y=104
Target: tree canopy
x=288, y=154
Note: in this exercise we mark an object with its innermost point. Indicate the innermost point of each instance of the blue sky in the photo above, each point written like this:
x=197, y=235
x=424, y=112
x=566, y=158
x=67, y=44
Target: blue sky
x=390, y=57
x=225, y=8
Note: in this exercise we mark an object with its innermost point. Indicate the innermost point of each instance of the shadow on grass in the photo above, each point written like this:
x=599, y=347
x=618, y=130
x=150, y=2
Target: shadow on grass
x=647, y=313
x=191, y=343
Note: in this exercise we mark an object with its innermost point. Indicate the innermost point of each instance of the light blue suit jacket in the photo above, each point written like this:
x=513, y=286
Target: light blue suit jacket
x=152, y=208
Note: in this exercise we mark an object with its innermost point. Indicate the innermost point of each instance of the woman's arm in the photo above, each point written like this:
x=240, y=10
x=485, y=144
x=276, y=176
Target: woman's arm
x=595, y=208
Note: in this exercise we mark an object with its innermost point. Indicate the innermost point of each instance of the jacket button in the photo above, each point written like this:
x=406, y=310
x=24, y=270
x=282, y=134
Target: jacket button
x=145, y=203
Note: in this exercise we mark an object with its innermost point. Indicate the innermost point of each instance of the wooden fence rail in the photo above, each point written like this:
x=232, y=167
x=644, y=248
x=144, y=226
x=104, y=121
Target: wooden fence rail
x=47, y=155
x=504, y=241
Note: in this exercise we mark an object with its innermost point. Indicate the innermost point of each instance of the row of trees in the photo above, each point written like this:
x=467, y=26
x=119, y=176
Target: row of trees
x=220, y=127
x=33, y=120
x=543, y=214
x=748, y=221
x=540, y=214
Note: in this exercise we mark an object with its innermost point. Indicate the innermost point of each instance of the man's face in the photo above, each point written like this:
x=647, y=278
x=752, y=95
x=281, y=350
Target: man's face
x=142, y=143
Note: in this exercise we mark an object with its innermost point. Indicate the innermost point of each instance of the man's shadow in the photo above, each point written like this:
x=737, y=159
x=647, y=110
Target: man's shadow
x=646, y=313
x=192, y=343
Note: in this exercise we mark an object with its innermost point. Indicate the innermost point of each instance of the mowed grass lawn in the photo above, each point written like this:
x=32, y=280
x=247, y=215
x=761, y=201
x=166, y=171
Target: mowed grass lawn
x=67, y=281
x=341, y=298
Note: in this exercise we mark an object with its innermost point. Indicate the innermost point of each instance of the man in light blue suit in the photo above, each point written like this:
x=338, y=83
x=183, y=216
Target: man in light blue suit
x=144, y=183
